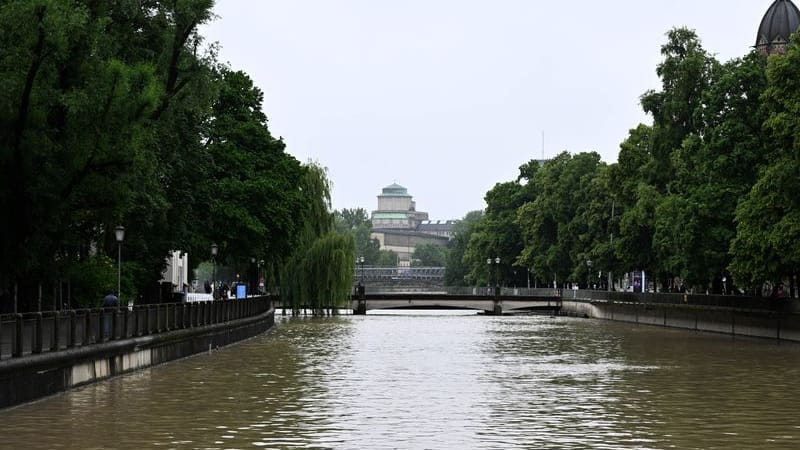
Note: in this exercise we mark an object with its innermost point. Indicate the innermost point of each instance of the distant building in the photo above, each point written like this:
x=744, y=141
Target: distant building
x=781, y=20
x=176, y=272
x=397, y=210
x=399, y=227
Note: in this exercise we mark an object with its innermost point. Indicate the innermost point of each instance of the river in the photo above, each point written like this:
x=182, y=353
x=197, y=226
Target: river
x=440, y=381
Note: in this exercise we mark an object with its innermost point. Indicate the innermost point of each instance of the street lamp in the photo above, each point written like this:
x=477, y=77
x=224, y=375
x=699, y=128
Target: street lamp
x=497, y=272
x=360, y=260
x=253, y=276
x=214, y=250
x=119, y=233
x=489, y=272
x=589, y=274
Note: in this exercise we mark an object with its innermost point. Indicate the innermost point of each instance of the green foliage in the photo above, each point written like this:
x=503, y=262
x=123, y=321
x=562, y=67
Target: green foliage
x=765, y=247
x=90, y=280
x=387, y=258
x=357, y=223
x=456, y=269
x=707, y=191
x=117, y=113
x=429, y=255
x=319, y=272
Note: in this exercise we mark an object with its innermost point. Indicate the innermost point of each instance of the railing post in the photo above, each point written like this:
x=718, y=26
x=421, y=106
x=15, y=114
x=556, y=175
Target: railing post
x=56, y=331
x=125, y=322
x=101, y=325
x=87, y=326
x=38, y=331
x=114, y=324
x=158, y=318
x=136, y=319
x=166, y=317
x=73, y=325
x=146, y=327
x=19, y=344
x=190, y=313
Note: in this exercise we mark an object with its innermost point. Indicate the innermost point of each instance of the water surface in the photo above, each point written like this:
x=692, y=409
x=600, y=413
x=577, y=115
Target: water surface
x=440, y=381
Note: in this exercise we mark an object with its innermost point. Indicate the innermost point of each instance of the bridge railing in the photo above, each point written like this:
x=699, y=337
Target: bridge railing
x=462, y=291
x=51, y=331
x=394, y=274
x=722, y=301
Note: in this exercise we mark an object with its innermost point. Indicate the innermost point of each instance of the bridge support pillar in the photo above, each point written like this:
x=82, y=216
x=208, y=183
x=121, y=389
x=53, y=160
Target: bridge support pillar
x=361, y=292
x=361, y=309
x=498, y=309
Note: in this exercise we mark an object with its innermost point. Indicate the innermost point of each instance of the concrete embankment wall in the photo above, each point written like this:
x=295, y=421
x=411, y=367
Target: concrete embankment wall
x=36, y=376
x=739, y=322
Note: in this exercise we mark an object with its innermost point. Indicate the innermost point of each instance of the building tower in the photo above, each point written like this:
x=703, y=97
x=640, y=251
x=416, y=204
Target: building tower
x=781, y=20
x=397, y=210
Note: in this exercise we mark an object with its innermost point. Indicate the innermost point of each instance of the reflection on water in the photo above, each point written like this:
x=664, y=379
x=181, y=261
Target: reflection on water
x=441, y=380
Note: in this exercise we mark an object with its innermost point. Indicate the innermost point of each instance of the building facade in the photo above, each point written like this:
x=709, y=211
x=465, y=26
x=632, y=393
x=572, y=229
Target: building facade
x=399, y=227
x=397, y=210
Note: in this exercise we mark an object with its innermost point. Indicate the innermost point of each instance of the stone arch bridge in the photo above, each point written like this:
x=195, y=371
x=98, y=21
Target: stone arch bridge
x=490, y=300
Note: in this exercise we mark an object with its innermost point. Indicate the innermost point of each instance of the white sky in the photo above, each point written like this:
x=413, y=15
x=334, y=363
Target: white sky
x=449, y=97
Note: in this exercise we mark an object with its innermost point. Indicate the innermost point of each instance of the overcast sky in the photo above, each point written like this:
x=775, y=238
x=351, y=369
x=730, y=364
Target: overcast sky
x=449, y=97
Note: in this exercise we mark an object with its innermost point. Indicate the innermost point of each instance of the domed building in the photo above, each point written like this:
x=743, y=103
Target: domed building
x=399, y=227
x=781, y=20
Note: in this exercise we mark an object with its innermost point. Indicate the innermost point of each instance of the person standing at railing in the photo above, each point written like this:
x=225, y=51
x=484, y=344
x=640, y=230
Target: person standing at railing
x=109, y=301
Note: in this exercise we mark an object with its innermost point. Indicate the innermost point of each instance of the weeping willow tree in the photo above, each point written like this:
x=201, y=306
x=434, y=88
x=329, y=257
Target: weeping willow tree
x=319, y=274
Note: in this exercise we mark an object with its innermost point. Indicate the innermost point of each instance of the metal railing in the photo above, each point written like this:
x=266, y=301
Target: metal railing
x=51, y=331
x=721, y=301
x=461, y=291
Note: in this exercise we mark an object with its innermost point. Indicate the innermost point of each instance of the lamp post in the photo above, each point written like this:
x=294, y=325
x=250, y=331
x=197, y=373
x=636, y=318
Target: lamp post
x=119, y=233
x=360, y=261
x=488, y=272
x=253, y=275
x=589, y=274
x=497, y=272
x=214, y=250
x=262, y=287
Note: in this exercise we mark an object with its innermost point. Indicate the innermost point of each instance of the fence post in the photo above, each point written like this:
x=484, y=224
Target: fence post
x=87, y=326
x=101, y=325
x=114, y=324
x=147, y=321
x=38, y=331
x=166, y=316
x=125, y=321
x=136, y=313
x=18, y=339
x=73, y=324
x=56, y=331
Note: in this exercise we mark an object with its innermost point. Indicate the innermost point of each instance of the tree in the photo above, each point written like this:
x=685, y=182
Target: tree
x=319, y=272
x=456, y=269
x=356, y=222
x=768, y=222
x=85, y=86
x=429, y=255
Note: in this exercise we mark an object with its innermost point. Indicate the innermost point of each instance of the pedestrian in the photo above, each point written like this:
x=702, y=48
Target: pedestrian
x=225, y=291
x=207, y=287
x=110, y=300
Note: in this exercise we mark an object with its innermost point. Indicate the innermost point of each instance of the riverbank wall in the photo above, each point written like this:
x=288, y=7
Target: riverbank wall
x=767, y=324
x=40, y=375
